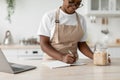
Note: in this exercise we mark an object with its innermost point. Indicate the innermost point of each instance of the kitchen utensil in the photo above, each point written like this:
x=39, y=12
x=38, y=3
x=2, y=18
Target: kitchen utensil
x=8, y=38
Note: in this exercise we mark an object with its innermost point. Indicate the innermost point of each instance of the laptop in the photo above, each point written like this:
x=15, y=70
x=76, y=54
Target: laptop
x=13, y=68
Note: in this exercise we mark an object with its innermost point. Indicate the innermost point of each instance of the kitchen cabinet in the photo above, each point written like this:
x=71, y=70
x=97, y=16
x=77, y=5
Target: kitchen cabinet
x=114, y=52
x=104, y=7
x=30, y=54
x=22, y=52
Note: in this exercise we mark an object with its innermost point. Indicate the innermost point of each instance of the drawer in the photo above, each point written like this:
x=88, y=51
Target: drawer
x=30, y=53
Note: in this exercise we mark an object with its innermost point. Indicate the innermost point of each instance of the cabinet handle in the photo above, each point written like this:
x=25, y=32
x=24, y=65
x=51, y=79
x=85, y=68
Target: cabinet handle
x=35, y=52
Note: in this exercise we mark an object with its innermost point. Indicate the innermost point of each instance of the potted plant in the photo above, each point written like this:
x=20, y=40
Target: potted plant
x=10, y=9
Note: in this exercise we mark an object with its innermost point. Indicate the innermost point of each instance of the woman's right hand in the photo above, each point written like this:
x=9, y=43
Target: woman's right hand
x=69, y=58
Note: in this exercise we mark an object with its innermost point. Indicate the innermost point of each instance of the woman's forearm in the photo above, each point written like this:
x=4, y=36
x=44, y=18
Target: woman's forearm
x=48, y=49
x=84, y=48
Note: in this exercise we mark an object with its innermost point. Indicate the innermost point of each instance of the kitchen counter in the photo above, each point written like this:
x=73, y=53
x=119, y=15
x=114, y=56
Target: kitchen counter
x=109, y=45
x=38, y=46
x=20, y=46
x=84, y=72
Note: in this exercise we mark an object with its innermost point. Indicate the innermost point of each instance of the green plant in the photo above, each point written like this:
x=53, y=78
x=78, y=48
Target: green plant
x=10, y=9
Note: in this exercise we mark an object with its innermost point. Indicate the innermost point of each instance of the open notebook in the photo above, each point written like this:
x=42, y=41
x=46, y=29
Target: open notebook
x=57, y=64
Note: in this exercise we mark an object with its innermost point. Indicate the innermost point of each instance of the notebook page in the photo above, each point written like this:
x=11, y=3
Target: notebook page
x=78, y=63
x=58, y=64
x=55, y=64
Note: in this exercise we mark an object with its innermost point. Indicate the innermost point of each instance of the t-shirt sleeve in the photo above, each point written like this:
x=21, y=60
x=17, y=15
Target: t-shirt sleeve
x=83, y=24
x=44, y=27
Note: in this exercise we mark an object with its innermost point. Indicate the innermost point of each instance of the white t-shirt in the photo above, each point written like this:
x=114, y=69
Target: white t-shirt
x=47, y=24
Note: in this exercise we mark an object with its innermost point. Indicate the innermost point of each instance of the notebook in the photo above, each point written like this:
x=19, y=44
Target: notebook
x=58, y=64
x=13, y=68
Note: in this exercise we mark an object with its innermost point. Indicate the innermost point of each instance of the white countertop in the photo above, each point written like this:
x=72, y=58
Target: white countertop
x=84, y=72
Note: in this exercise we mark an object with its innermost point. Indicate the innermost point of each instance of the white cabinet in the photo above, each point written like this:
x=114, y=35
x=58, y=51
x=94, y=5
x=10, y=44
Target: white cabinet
x=104, y=7
x=23, y=53
x=30, y=54
x=114, y=52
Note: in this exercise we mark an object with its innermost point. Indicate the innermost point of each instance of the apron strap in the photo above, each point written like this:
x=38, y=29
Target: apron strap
x=57, y=16
x=79, y=23
x=57, y=24
x=78, y=20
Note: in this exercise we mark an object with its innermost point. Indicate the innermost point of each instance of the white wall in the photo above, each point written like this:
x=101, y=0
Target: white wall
x=28, y=14
x=26, y=18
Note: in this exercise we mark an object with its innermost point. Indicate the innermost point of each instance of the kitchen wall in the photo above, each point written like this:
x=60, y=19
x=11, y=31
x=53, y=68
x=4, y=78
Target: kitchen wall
x=28, y=14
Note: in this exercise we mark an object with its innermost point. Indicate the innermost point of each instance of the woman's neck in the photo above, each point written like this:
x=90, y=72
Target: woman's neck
x=63, y=9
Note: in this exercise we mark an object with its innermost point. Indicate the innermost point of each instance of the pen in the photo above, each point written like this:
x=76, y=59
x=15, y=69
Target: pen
x=70, y=52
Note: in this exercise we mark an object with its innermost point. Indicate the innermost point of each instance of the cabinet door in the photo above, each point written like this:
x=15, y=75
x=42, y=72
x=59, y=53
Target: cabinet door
x=98, y=5
x=117, y=5
x=30, y=54
x=94, y=5
x=103, y=7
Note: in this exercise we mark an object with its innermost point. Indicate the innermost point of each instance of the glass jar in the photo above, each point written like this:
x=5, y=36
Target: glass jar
x=100, y=55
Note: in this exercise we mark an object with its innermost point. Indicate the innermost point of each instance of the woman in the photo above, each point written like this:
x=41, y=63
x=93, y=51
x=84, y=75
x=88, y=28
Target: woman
x=62, y=31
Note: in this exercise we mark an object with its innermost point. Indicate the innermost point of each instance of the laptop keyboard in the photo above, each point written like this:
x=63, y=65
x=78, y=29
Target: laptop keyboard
x=20, y=68
x=16, y=69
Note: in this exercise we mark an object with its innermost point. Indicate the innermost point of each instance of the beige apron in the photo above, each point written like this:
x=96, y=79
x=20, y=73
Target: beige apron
x=66, y=37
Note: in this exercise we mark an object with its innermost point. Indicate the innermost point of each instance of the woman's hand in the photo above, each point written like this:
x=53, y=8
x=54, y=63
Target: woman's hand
x=109, y=60
x=69, y=58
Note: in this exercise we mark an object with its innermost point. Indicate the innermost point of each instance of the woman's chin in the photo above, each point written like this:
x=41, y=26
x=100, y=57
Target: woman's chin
x=71, y=11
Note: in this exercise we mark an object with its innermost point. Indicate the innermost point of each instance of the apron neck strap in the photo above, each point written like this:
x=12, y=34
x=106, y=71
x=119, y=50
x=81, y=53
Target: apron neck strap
x=78, y=19
x=57, y=16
